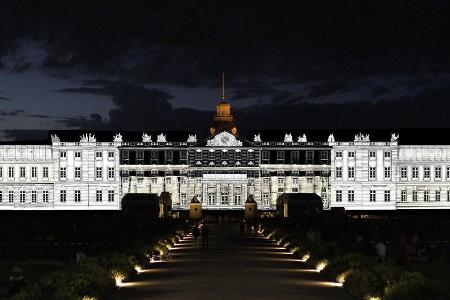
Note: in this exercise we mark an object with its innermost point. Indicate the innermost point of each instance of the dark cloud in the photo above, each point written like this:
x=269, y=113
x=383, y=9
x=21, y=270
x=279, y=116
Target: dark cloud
x=327, y=88
x=13, y=113
x=5, y=98
x=378, y=91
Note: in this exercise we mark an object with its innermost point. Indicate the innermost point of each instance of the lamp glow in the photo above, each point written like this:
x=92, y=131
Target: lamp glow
x=321, y=265
x=118, y=278
x=138, y=268
x=305, y=257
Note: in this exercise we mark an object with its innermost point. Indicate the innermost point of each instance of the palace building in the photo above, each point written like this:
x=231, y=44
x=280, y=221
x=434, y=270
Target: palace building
x=77, y=170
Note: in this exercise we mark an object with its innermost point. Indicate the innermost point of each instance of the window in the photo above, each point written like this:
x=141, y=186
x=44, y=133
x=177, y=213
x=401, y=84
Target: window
x=77, y=154
x=387, y=196
x=168, y=180
x=125, y=155
x=351, y=172
x=338, y=154
x=437, y=196
x=266, y=181
x=426, y=172
x=373, y=196
x=169, y=156
x=280, y=155
x=111, y=172
x=1, y=196
x=351, y=154
x=295, y=156
x=1, y=172
x=98, y=196
x=265, y=198
x=110, y=154
x=77, y=172
x=45, y=196
x=387, y=154
x=33, y=172
x=140, y=155
x=63, y=154
x=98, y=155
x=415, y=172
x=211, y=155
x=33, y=196
x=414, y=196
x=22, y=172
x=437, y=172
x=448, y=196
x=98, y=172
x=426, y=196
x=62, y=173
x=387, y=172
x=404, y=172
x=448, y=173
x=110, y=196
x=372, y=172
x=324, y=155
x=224, y=199
x=403, y=196
x=45, y=172
x=309, y=155
x=211, y=198
x=338, y=172
x=265, y=155
x=338, y=196
x=372, y=154
x=281, y=181
x=22, y=196
x=183, y=199
x=11, y=172
x=62, y=196
x=77, y=196
x=295, y=180
x=351, y=196
x=154, y=180
x=11, y=196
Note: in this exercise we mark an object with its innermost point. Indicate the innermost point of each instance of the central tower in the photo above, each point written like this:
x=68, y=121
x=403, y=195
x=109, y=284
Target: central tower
x=224, y=119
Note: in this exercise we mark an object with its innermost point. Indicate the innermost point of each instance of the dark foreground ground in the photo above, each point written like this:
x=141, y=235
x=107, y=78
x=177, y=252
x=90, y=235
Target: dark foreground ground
x=235, y=266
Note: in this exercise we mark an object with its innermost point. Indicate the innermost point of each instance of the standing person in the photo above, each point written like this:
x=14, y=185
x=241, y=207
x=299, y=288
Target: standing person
x=196, y=234
x=205, y=236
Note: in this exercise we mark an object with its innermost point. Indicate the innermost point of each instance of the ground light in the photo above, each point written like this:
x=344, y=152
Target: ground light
x=118, y=278
x=373, y=298
x=88, y=298
x=321, y=265
x=138, y=268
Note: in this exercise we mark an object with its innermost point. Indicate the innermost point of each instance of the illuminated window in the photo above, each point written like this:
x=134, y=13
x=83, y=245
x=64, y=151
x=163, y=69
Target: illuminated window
x=99, y=196
x=373, y=196
x=351, y=196
x=338, y=196
x=77, y=196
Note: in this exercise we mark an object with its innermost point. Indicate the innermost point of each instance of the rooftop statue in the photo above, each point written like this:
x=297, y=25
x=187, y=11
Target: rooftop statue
x=146, y=138
x=117, y=138
x=257, y=138
x=302, y=139
x=192, y=138
x=161, y=138
x=55, y=138
x=362, y=138
x=331, y=138
x=394, y=137
x=288, y=138
x=88, y=138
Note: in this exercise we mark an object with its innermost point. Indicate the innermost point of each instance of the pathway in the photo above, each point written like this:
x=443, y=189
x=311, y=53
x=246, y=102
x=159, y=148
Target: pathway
x=235, y=267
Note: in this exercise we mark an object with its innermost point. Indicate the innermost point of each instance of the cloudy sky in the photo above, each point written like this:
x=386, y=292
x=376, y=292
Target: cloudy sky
x=136, y=65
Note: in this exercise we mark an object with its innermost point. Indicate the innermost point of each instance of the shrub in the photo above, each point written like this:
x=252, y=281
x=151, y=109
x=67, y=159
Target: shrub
x=340, y=264
x=410, y=286
x=361, y=282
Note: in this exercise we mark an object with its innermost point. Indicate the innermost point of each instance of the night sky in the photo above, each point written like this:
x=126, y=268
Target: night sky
x=156, y=65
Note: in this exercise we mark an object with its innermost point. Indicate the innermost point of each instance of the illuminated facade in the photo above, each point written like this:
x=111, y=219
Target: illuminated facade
x=79, y=171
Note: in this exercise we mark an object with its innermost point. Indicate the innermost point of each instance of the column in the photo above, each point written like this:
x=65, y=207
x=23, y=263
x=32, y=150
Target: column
x=231, y=194
x=218, y=194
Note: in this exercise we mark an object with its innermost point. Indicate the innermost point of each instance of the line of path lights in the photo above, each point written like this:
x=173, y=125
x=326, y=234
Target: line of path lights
x=160, y=253
x=292, y=249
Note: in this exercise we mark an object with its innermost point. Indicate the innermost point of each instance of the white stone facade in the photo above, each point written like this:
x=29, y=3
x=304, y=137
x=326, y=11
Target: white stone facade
x=387, y=176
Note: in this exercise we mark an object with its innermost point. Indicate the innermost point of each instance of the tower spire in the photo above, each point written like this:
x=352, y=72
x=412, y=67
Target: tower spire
x=223, y=86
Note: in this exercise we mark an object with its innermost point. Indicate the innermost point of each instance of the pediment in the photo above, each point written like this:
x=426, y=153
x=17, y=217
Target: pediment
x=224, y=139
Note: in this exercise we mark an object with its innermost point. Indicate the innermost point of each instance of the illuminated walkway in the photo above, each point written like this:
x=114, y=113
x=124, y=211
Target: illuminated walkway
x=235, y=267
